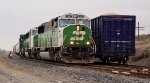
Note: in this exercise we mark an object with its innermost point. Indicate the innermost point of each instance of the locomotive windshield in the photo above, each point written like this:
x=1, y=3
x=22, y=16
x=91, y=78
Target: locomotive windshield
x=84, y=21
x=65, y=22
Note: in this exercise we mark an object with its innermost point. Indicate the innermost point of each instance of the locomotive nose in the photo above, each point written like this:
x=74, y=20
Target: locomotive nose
x=77, y=35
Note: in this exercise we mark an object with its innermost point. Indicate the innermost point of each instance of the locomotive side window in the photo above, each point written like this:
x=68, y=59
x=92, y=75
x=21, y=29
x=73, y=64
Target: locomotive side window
x=65, y=22
x=84, y=21
x=55, y=23
x=34, y=32
x=41, y=29
x=27, y=35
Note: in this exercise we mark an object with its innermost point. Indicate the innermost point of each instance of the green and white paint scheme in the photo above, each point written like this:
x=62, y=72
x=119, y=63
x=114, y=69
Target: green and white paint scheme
x=64, y=38
x=62, y=31
x=27, y=40
x=74, y=30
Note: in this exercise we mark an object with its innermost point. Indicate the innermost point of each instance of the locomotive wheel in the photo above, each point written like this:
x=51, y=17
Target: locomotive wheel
x=30, y=55
x=38, y=56
x=51, y=54
x=34, y=55
x=55, y=58
x=59, y=58
x=19, y=54
x=22, y=54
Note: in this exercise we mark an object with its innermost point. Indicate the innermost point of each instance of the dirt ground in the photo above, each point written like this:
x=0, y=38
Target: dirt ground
x=15, y=74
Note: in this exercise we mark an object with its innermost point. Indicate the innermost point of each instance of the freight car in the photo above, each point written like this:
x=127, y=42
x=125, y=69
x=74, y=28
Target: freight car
x=114, y=36
x=66, y=38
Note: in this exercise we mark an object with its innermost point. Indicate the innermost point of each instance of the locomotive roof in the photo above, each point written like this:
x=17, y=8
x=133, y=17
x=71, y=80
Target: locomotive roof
x=70, y=15
x=112, y=15
x=43, y=24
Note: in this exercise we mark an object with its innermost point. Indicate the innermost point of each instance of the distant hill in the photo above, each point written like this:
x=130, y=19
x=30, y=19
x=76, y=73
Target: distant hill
x=3, y=51
x=143, y=39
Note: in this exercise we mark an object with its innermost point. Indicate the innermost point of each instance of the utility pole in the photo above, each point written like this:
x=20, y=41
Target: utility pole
x=138, y=32
x=139, y=28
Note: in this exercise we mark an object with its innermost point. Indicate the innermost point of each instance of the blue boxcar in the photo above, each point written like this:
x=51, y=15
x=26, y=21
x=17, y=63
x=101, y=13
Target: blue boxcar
x=114, y=36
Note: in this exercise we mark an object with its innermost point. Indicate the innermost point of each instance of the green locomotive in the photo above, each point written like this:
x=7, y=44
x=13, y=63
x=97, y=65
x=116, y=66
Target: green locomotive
x=66, y=38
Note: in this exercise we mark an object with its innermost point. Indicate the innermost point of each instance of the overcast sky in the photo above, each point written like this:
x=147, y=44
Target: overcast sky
x=18, y=16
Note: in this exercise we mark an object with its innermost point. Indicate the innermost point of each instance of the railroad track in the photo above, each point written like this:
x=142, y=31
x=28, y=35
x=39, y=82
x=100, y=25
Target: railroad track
x=129, y=70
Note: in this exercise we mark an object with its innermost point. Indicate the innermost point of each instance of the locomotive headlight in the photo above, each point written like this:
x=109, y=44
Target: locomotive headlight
x=78, y=27
x=71, y=42
x=87, y=43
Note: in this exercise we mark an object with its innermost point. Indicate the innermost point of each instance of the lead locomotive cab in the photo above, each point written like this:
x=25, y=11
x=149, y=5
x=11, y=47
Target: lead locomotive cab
x=77, y=44
x=75, y=39
x=114, y=36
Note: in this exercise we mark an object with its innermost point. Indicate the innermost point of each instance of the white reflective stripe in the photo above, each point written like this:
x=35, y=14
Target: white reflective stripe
x=119, y=41
x=77, y=33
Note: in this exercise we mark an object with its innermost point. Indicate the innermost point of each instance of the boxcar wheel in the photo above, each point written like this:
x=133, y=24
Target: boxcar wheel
x=104, y=61
x=108, y=60
x=124, y=61
x=119, y=62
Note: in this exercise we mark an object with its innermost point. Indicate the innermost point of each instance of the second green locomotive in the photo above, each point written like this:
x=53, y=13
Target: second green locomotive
x=66, y=38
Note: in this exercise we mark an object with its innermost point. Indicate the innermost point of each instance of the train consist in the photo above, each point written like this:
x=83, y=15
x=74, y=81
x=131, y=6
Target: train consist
x=75, y=38
x=114, y=36
x=66, y=38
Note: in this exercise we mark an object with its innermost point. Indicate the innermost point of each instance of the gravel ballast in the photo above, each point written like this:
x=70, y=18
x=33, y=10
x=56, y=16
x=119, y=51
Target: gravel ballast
x=50, y=73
